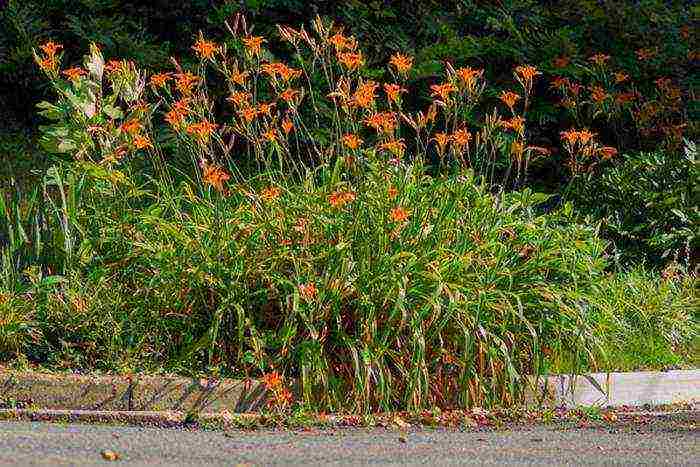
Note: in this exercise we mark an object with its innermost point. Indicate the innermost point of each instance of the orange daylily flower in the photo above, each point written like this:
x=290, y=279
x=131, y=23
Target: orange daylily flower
x=289, y=74
x=184, y=82
x=469, y=75
x=215, y=176
x=159, y=80
x=202, y=130
x=271, y=193
x=509, y=98
x=48, y=64
x=287, y=125
x=585, y=135
x=624, y=97
x=351, y=60
x=131, y=126
x=280, y=69
x=573, y=136
x=253, y=44
x=205, y=49
x=265, y=108
x=352, y=141
x=393, y=92
x=382, y=122
x=394, y=146
x=239, y=77
x=364, y=95
x=308, y=291
x=141, y=142
x=341, y=42
x=598, y=94
x=399, y=214
x=599, y=59
x=570, y=136
x=177, y=113
x=442, y=91
x=517, y=148
x=271, y=69
x=50, y=48
x=338, y=199
x=249, y=114
x=115, y=66
x=74, y=73
x=402, y=63
x=525, y=74
x=289, y=95
x=392, y=192
x=270, y=135
x=272, y=380
x=621, y=77
x=460, y=138
x=516, y=124
x=239, y=98
x=442, y=140
x=559, y=83
x=646, y=54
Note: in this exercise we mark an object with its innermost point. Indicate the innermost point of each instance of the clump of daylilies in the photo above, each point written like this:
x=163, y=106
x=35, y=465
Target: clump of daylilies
x=607, y=92
x=272, y=115
x=279, y=395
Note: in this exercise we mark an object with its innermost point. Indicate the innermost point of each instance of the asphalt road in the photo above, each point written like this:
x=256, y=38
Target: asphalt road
x=26, y=443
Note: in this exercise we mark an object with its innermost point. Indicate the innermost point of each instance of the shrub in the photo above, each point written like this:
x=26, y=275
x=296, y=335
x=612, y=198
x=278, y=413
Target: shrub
x=647, y=204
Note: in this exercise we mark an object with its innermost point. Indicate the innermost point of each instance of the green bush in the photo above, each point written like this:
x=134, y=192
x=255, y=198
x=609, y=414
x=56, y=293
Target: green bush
x=647, y=204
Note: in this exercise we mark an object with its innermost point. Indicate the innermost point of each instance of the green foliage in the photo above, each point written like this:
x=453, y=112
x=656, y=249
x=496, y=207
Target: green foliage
x=648, y=205
x=381, y=277
x=650, y=322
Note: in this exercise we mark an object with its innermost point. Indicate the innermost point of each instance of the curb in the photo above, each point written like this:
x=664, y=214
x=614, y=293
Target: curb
x=635, y=389
x=135, y=393
x=172, y=395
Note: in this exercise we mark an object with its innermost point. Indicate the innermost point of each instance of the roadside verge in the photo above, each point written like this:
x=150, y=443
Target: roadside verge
x=172, y=400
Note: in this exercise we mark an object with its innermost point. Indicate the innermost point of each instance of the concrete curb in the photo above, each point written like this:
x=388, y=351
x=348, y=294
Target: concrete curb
x=128, y=393
x=635, y=389
x=171, y=394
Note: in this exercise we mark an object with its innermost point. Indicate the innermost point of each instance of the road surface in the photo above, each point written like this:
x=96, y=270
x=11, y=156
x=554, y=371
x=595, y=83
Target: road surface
x=658, y=443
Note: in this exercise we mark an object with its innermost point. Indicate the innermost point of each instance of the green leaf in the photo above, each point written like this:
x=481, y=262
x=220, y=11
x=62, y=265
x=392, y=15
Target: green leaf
x=66, y=145
x=113, y=112
x=50, y=111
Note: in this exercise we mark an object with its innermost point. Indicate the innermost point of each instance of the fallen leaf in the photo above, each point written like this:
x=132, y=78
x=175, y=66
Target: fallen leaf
x=109, y=455
x=468, y=421
x=400, y=422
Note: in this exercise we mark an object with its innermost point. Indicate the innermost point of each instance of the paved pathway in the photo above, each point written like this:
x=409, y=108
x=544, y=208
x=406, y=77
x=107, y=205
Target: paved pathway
x=664, y=442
